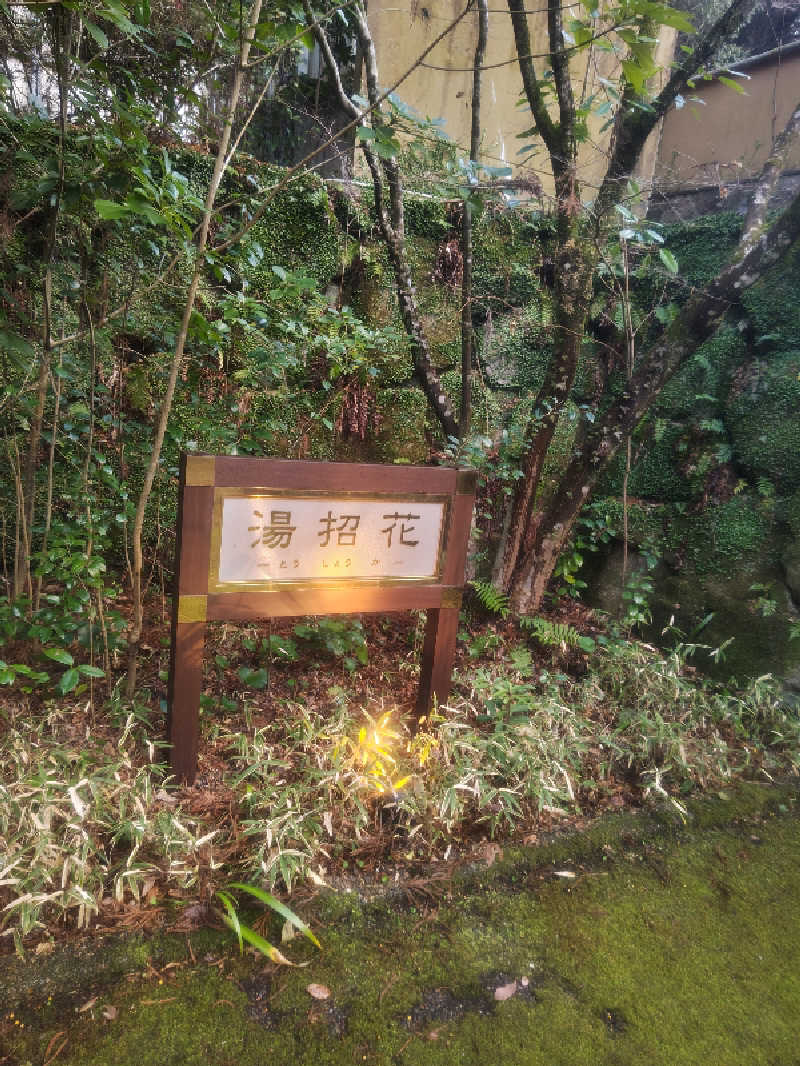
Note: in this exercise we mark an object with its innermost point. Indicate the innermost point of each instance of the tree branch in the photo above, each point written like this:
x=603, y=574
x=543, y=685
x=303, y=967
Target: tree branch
x=695, y=323
x=635, y=125
x=392, y=228
x=559, y=62
x=548, y=130
x=768, y=179
x=223, y=246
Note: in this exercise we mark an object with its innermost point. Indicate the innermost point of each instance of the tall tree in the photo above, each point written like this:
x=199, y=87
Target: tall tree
x=541, y=522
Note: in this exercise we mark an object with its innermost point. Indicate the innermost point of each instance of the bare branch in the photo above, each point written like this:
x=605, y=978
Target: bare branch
x=290, y=174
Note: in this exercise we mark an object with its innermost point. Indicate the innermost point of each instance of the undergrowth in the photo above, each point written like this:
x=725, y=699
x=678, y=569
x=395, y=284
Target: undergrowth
x=88, y=825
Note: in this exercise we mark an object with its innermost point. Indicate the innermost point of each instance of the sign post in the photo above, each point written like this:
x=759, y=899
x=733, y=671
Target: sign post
x=262, y=538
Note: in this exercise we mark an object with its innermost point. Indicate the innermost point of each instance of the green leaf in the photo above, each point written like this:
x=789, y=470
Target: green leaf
x=91, y=671
x=253, y=678
x=59, y=655
x=666, y=16
x=110, y=210
x=278, y=907
x=737, y=88
x=139, y=206
x=116, y=13
x=13, y=342
x=668, y=259
x=97, y=34
x=387, y=149
x=258, y=942
x=68, y=681
x=232, y=918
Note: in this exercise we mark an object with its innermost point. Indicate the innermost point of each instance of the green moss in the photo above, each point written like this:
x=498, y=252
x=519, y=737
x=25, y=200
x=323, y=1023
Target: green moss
x=507, y=253
x=772, y=305
x=425, y=217
x=706, y=374
x=517, y=348
x=791, y=514
x=730, y=536
x=402, y=435
x=673, y=943
x=657, y=473
x=297, y=232
x=764, y=420
x=703, y=246
x=647, y=522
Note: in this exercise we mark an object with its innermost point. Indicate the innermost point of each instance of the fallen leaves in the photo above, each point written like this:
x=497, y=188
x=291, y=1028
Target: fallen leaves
x=318, y=991
x=507, y=991
x=52, y=1052
x=490, y=853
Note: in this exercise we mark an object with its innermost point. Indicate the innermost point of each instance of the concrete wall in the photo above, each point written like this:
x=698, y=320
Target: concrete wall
x=722, y=141
x=442, y=88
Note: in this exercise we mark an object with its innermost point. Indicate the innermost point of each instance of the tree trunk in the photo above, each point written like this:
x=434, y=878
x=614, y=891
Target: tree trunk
x=135, y=632
x=61, y=22
x=696, y=322
x=467, y=332
x=572, y=296
x=390, y=222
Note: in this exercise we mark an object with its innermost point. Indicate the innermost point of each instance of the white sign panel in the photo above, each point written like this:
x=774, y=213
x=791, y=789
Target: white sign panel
x=301, y=538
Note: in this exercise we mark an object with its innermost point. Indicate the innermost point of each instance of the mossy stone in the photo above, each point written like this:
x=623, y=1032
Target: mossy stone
x=764, y=420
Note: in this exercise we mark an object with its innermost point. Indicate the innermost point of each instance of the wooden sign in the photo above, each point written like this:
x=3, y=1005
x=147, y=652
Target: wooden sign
x=261, y=538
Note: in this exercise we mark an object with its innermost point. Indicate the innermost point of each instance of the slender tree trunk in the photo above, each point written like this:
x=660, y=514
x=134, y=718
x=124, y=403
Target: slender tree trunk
x=135, y=632
x=467, y=332
x=572, y=295
x=61, y=21
x=390, y=219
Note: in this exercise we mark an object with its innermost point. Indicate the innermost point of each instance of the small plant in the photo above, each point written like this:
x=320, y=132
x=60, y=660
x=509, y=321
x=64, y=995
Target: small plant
x=491, y=598
x=521, y=659
x=273, y=648
x=764, y=600
x=636, y=598
x=482, y=644
x=557, y=634
x=245, y=932
x=569, y=563
x=343, y=639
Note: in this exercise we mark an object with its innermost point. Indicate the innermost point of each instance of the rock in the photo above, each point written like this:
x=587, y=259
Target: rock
x=790, y=561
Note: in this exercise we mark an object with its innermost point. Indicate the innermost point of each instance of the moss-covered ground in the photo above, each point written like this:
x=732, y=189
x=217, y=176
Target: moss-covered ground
x=644, y=939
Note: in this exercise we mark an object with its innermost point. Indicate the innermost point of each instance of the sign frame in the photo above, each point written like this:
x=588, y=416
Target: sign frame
x=199, y=597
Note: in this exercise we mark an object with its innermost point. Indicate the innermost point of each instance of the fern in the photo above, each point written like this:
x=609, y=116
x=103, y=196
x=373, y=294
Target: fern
x=557, y=634
x=492, y=599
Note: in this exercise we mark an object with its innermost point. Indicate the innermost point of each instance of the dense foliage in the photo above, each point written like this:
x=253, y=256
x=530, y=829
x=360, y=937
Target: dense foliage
x=163, y=291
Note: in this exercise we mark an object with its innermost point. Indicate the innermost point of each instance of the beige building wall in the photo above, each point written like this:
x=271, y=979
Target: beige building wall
x=442, y=86
x=728, y=135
